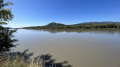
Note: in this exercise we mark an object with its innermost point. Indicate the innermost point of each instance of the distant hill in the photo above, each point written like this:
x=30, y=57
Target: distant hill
x=54, y=25
x=85, y=23
x=107, y=22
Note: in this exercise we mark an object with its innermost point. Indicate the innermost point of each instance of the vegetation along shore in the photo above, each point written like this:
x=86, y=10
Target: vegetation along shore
x=87, y=25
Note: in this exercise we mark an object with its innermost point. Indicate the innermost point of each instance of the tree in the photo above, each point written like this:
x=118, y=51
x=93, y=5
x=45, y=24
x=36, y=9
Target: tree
x=5, y=13
x=6, y=41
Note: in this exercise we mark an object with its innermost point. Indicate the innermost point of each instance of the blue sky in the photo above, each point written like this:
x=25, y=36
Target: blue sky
x=42, y=12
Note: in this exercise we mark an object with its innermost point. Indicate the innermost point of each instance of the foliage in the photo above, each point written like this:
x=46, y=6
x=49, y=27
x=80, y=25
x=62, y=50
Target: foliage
x=3, y=23
x=6, y=41
x=54, y=24
x=5, y=13
x=78, y=26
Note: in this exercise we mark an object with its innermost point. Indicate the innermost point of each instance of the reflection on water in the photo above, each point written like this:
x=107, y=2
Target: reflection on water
x=6, y=43
x=82, y=48
x=109, y=31
x=47, y=61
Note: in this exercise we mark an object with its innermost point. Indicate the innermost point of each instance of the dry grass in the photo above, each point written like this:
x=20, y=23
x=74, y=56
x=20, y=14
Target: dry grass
x=18, y=62
x=23, y=59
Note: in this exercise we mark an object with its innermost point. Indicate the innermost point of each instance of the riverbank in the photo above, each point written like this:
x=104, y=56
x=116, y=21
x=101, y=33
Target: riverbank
x=23, y=59
x=87, y=25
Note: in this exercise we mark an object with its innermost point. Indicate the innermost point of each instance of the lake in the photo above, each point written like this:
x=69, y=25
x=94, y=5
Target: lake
x=81, y=48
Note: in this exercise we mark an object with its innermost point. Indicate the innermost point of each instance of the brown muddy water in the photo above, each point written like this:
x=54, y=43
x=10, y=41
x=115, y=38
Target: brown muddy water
x=81, y=48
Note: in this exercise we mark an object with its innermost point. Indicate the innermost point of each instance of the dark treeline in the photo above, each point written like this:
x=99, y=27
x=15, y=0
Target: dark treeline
x=87, y=25
x=6, y=40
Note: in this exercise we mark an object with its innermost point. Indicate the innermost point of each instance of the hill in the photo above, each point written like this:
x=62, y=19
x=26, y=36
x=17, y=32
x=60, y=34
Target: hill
x=54, y=25
x=106, y=22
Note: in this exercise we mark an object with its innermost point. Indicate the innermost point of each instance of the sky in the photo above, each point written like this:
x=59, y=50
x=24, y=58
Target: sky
x=41, y=12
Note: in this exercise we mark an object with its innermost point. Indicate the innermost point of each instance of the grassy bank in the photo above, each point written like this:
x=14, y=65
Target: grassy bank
x=18, y=62
x=22, y=59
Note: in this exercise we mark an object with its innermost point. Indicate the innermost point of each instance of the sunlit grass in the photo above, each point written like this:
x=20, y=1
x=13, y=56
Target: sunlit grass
x=24, y=59
x=18, y=62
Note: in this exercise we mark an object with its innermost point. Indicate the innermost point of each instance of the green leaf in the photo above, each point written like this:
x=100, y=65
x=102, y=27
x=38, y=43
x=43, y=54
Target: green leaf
x=3, y=23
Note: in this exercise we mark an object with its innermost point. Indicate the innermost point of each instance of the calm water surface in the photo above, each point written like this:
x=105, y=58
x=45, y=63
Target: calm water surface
x=81, y=48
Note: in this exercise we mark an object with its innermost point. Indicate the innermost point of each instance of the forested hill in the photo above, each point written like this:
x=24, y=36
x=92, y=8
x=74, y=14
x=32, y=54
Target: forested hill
x=97, y=23
x=54, y=25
